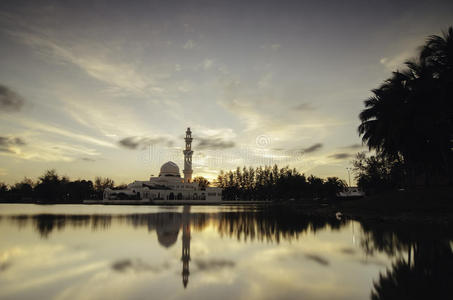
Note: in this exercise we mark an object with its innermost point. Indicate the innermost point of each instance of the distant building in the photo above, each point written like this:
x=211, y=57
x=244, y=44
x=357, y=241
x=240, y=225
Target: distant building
x=168, y=186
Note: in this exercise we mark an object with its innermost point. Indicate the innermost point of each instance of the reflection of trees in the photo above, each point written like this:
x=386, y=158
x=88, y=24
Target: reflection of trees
x=424, y=269
x=46, y=223
x=428, y=276
x=270, y=224
x=262, y=225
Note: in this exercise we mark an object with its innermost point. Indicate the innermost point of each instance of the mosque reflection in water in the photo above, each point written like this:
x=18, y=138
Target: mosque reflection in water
x=421, y=255
x=167, y=228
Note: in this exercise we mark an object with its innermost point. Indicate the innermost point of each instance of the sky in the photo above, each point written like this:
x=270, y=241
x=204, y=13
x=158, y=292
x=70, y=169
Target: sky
x=108, y=88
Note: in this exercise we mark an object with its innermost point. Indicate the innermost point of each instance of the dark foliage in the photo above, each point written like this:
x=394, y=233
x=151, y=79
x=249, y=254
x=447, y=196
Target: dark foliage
x=378, y=173
x=202, y=182
x=409, y=118
x=53, y=188
x=273, y=183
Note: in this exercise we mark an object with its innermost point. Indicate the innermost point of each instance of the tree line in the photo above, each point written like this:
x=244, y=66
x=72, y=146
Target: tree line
x=408, y=122
x=51, y=188
x=274, y=183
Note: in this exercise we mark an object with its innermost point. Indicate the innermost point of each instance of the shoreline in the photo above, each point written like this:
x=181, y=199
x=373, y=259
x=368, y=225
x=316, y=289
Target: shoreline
x=421, y=206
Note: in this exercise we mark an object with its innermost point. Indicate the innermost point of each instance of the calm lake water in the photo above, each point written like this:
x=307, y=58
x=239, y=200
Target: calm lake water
x=217, y=252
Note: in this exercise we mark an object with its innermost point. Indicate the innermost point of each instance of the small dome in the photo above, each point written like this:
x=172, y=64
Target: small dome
x=169, y=169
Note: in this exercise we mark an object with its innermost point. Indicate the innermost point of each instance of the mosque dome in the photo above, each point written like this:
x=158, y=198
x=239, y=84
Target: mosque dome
x=169, y=169
x=167, y=238
x=167, y=228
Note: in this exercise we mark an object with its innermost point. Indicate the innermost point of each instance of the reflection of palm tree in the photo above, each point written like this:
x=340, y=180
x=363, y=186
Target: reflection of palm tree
x=428, y=277
x=427, y=271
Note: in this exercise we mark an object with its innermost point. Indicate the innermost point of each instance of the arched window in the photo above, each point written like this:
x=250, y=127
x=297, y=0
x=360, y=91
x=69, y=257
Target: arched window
x=171, y=196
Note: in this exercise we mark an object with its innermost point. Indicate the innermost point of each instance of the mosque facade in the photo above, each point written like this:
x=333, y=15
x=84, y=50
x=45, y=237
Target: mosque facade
x=168, y=186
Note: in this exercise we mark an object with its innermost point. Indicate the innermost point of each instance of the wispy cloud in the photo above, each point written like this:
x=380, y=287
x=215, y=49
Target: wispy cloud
x=136, y=142
x=318, y=259
x=190, y=44
x=313, y=148
x=214, y=143
x=397, y=61
x=274, y=46
x=353, y=146
x=10, y=101
x=88, y=159
x=55, y=129
x=340, y=155
x=207, y=64
x=215, y=139
x=95, y=58
x=303, y=107
x=45, y=151
x=137, y=265
x=213, y=264
x=9, y=144
x=265, y=80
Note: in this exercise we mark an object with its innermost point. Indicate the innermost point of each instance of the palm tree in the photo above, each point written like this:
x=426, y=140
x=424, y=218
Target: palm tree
x=437, y=53
x=411, y=114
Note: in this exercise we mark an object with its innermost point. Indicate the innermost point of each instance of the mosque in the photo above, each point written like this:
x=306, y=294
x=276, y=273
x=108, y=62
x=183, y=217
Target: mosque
x=168, y=186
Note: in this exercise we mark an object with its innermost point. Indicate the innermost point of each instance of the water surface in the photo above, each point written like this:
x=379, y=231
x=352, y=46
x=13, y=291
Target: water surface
x=218, y=252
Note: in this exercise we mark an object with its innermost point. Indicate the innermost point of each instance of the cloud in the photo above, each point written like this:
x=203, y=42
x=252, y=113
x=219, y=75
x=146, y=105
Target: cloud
x=135, y=142
x=319, y=259
x=207, y=64
x=353, y=146
x=96, y=59
x=265, y=80
x=190, y=44
x=313, y=148
x=213, y=264
x=10, y=101
x=263, y=114
x=4, y=266
x=274, y=47
x=303, y=106
x=88, y=159
x=41, y=149
x=340, y=155
x=7, y=143
x=136, y=265
x=57, y=129
x=349, y=251
x=214, y=143
x=397, y=61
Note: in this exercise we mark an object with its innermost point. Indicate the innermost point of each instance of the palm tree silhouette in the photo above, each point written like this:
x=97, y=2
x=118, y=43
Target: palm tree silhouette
x=410, y=116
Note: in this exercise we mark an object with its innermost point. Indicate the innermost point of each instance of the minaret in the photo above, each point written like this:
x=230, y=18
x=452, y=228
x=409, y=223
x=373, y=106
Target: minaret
x=185, y=245
x=188, y=157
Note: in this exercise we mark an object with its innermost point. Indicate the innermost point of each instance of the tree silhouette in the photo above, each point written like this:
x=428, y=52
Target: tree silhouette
x=202, y=182
x=410, y=116
x=274, y=183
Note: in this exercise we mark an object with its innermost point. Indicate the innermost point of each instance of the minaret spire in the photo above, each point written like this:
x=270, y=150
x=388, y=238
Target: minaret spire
x=188, y=156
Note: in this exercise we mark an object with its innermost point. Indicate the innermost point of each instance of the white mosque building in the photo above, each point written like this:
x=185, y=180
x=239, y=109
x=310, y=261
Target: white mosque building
x=168, y=186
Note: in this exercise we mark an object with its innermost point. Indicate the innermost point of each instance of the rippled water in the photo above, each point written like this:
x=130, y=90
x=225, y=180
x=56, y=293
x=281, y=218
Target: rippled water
x=218, y=252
